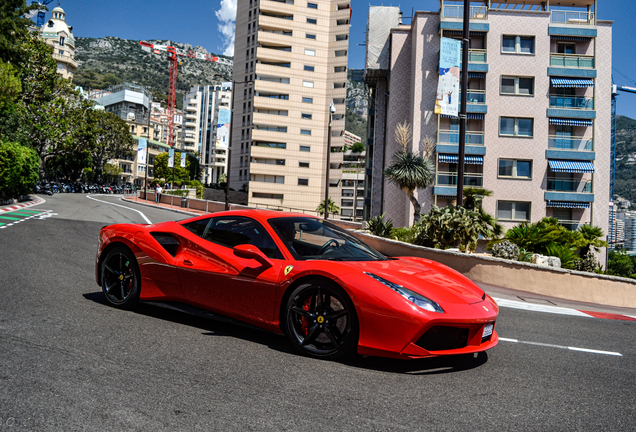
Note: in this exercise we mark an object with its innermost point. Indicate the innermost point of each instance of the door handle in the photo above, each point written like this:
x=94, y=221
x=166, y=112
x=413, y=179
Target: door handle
x=187, y=262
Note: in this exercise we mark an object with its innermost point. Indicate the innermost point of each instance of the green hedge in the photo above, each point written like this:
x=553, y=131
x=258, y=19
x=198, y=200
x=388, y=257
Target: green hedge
x=19, y=167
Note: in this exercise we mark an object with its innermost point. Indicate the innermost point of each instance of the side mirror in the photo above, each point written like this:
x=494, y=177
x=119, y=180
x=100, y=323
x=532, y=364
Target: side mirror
x=248, y=251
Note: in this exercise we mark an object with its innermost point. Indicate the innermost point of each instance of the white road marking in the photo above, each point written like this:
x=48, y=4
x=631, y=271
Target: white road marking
x=540, y=308
x=563, y=347
x=118, y=205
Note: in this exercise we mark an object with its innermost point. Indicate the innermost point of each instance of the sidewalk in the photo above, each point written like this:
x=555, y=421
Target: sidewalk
x=175, y=206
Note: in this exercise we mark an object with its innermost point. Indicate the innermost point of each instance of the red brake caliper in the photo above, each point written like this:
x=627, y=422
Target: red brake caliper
x=303, y=320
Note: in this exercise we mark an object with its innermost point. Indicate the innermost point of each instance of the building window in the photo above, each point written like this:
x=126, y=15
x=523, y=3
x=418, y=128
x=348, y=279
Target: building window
x=306, y=116
x=513, y=210
x=305, y=132
x=310, y=36
x=310, y=52
x=303, y=164
x=309, y=68
x=515, y=168
x=303, y=182
x=515, y=126
x=518, y=44
x=304, y=148
x=308, y=99
x=517, y=85
x=309, y=84
x=312, y=21
x=312, y=5
x=341, y=53
x=267, y=195
x=342, y=37
x=263, y=178
x=62, y=40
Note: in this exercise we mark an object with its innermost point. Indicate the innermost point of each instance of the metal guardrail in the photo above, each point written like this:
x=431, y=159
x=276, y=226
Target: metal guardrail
x=564, y=185
x=457, y=11
x=572, y=17
x=572, y=61
x=452, y=137
x=450, y=179
x=572, y=102
x=571, y=143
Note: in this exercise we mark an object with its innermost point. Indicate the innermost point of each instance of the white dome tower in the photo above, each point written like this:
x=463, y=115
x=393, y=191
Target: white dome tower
x=59, y=35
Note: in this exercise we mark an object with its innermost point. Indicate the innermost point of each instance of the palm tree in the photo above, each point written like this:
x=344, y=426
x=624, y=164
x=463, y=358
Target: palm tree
x=409, y=170
x=473, y=197
x=591, y=239
x=333, y=208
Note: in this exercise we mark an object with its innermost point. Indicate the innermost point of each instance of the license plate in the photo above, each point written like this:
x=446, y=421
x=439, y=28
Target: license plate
x=487, y=330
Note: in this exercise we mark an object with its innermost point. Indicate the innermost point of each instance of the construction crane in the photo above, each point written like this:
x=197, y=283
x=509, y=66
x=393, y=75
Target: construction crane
x=615, y=89
x=173, y=58
x=40, y=13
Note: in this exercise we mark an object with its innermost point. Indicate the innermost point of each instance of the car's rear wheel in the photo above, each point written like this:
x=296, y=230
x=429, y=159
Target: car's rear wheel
x=120, y=278
x=321, y=321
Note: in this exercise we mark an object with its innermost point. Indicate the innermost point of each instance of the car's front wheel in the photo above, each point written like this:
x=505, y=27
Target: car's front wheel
x=321, y=321
x=120, y=278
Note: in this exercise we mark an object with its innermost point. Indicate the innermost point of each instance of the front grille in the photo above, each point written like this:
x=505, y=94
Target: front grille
x=441, y=338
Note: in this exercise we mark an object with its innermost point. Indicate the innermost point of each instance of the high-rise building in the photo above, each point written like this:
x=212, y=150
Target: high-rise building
x=538, y=103
x=290, y=65
x=206, y=128
x=59, y=35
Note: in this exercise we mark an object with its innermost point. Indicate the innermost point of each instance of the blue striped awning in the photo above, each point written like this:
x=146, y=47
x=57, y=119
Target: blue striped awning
x=570, y=122
x=571, y=38
x=451, y=158
x=461, y=32
x=567, y=204
x=474, y=74
x=570, y=166
x=469, y=116
x=571, y=82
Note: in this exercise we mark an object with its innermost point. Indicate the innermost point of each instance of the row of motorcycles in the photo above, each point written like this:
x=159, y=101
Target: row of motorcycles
x=44, y=187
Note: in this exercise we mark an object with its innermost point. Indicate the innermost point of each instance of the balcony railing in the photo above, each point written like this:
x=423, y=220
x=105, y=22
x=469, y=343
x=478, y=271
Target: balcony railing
x=450, y=179
x=572, y=17
x=572, y=61
x=475, y=96
x=564, y=185
x=572, y=102
x=476, y=56
x=570, y=143
x=571, y=225
x=457, y=11
x=452, y=137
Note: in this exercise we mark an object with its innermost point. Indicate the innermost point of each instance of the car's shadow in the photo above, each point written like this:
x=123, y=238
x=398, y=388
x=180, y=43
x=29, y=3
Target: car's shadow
x=214, y=327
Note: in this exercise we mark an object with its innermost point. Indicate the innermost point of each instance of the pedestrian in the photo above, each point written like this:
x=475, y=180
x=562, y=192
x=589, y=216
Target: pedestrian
x=158, y=192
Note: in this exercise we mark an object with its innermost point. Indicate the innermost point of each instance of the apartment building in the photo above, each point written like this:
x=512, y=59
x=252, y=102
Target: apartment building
x=538, y=103
x=206, y=128
x=352, y=179
x=59, y=35
x=290, y=65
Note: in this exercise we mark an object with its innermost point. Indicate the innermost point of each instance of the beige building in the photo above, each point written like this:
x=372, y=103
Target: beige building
x=59, y=35
x=294, y=54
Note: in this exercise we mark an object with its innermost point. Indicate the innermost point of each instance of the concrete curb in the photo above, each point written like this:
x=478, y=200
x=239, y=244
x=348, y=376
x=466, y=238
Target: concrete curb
x=161, y=207
x=13, y=207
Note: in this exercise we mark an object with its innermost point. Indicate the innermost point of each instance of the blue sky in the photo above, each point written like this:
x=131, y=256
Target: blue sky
x=206, y=23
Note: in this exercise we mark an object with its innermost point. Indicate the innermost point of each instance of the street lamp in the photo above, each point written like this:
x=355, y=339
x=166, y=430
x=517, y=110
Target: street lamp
x=332, y=111
x=229, y=145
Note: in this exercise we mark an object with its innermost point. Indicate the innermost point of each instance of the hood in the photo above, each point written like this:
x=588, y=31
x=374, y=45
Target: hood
x=429, y=278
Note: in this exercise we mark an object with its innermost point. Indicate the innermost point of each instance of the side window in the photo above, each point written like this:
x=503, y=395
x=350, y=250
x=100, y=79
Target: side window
x=198, y=226
x=232, y=231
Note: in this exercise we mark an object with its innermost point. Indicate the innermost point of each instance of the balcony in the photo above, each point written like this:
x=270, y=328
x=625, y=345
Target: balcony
x=476, y=56
x=475, y=96
x=570, y=143
x=571, y=225
x=452, y=137
x=567, y=185
x=191, y=115
x=457, y=12
x=572, y=102
x=450, y=179
x=572, y=61
x=65, y=59
x=571, y=17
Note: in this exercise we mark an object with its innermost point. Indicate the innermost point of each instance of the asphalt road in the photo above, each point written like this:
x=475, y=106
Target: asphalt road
x=70, y=362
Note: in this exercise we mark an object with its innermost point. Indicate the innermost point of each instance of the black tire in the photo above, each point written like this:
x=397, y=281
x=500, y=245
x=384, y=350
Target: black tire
x=321, y=321
x=120, y=278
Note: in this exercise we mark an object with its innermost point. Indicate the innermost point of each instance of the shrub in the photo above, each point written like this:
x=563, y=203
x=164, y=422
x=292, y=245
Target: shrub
x=566, y=254
x=588, y=263
x=403, y=234
x=19, y=167
x=506, y=250
x=379, y=227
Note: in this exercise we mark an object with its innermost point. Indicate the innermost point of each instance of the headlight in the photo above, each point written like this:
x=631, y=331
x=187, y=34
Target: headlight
x=413, y=297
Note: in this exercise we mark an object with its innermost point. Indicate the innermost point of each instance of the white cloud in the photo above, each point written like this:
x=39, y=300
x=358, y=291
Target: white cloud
x=227, y=17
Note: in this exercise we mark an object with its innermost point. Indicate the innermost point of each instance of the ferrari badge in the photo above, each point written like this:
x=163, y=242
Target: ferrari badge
x=288, y=269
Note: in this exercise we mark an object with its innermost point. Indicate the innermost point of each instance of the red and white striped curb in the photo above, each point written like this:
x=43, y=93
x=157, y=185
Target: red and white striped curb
x=36, y=200
x=561, y=310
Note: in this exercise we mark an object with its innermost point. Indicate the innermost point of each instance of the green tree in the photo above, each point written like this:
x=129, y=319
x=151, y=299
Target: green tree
x=473, y=197
x=10, y=86
x=110, y=138
x=619, y=264
x=161, y=169
x=591, y=239
x=332, y=208
x=14, y=28
x=111, y=172
x=408, y=170
x=18, y=169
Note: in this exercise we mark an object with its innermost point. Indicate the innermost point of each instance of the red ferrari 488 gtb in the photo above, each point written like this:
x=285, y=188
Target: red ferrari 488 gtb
x=330, y=293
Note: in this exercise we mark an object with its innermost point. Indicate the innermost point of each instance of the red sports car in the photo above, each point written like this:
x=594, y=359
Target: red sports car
x=330, y=293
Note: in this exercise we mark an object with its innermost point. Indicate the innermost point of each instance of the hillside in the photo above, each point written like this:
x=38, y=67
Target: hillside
x=625, y=185
x=106, y=61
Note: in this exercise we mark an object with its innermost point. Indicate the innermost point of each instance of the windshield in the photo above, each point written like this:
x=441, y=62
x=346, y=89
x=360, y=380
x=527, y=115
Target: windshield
x=316, y=239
